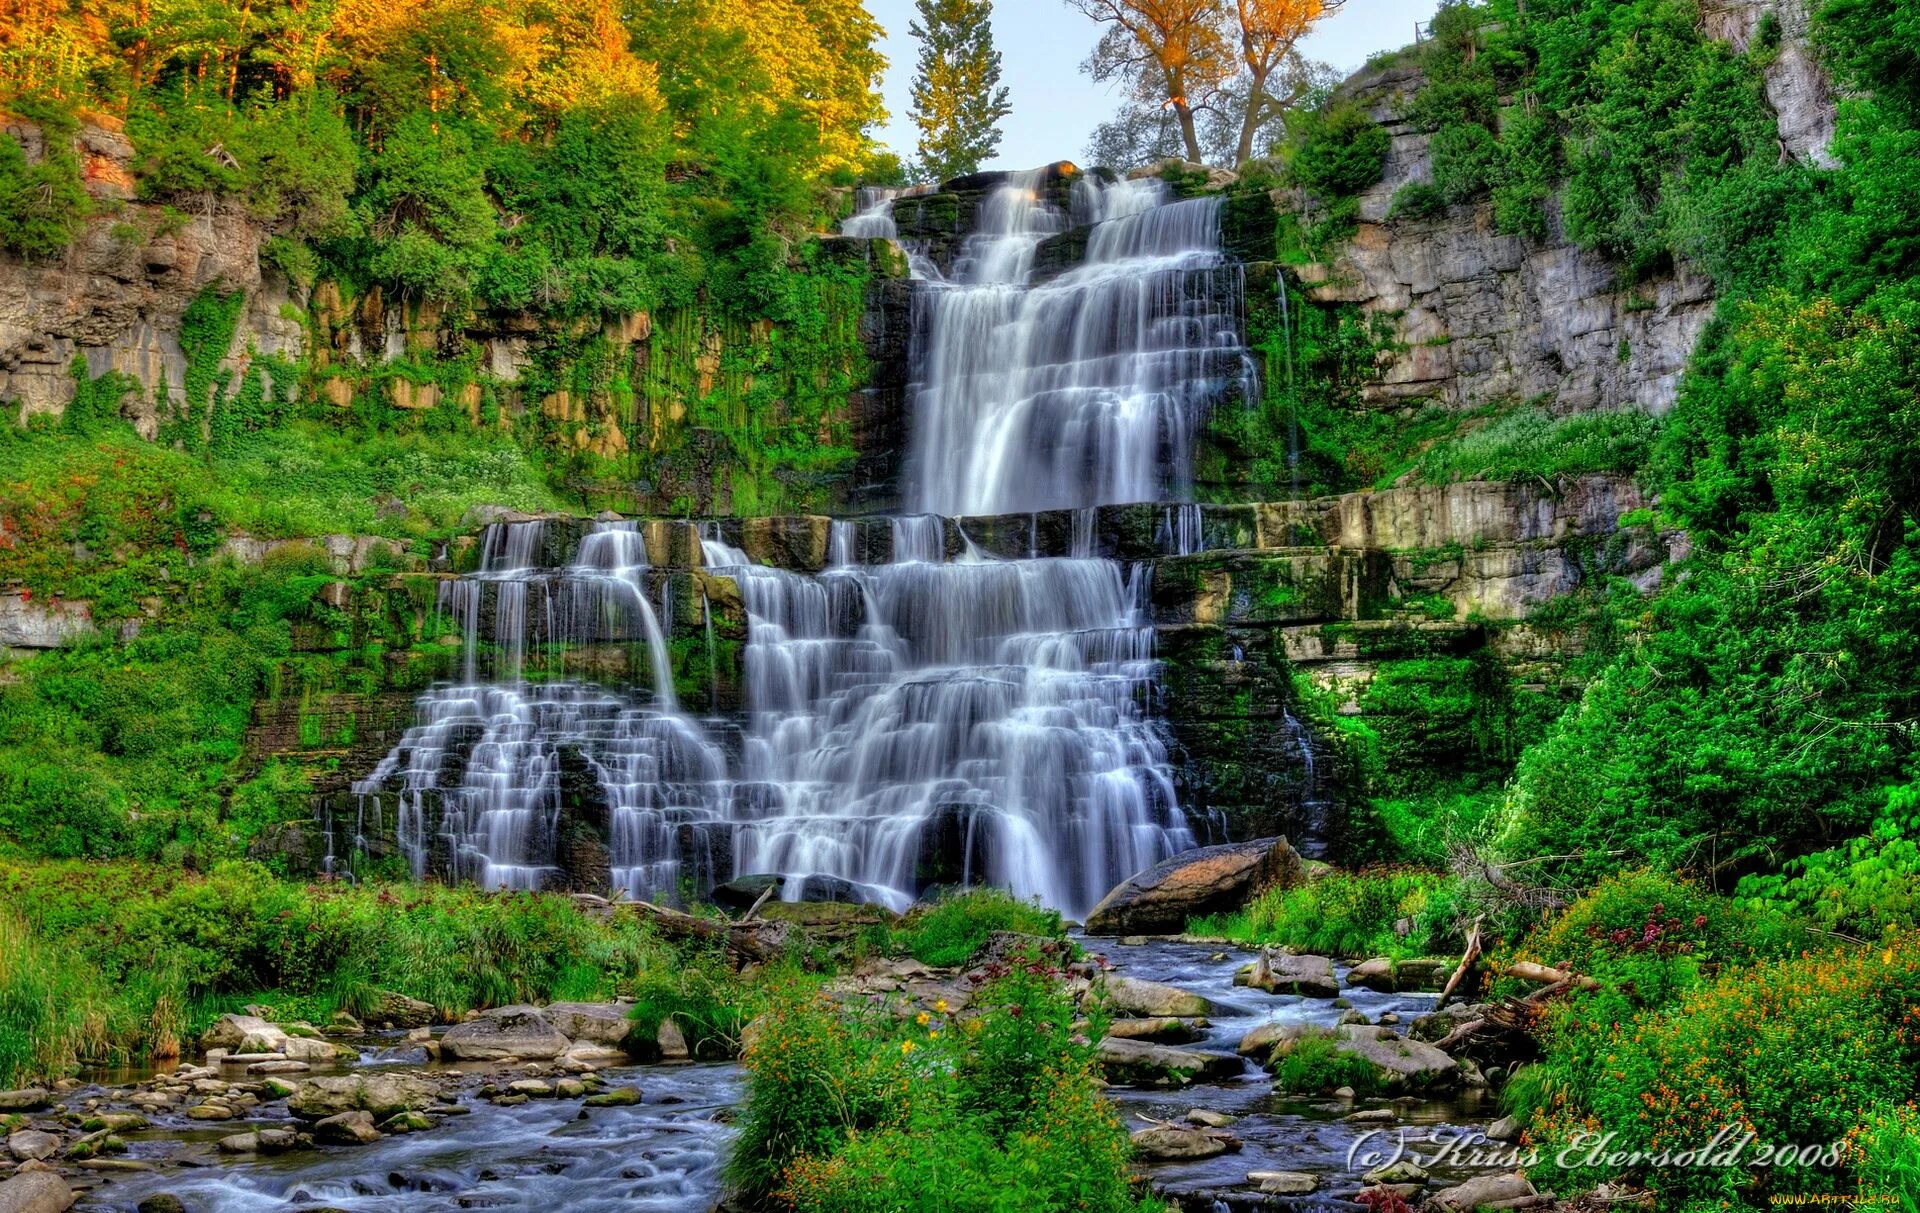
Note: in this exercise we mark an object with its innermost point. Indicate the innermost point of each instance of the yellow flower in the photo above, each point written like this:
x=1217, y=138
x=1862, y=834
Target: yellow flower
x=934, y=1035
x=922, y=1018
x=906, y=1047
x=940, y=1005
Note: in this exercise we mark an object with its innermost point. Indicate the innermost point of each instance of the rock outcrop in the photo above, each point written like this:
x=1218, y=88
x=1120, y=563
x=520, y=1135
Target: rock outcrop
x=1205, y=881
x=518, y=1031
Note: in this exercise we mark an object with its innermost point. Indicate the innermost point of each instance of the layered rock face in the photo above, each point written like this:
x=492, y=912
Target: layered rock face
x=116, y=297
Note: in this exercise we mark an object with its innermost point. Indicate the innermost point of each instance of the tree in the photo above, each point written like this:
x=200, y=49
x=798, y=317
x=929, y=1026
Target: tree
x=1269, y=30
x=1177, y=45
x=1233, y=62
x=958, y=101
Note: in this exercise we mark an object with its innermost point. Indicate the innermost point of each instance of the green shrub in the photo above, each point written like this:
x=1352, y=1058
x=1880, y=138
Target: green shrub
x=707, y=1000
x=43, y=205
x=952, y=929
x=1313, y=1064
x=1466, y=161
x=1341, y=151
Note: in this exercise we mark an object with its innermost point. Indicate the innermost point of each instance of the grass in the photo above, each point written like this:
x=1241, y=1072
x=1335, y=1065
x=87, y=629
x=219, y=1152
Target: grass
x=109, y=962
x=1348, y=915
x=1313, y=1063
x=1531, y=443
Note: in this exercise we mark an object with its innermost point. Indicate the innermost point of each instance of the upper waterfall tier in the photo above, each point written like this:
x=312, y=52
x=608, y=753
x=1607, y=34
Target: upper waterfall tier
x=1085, y=389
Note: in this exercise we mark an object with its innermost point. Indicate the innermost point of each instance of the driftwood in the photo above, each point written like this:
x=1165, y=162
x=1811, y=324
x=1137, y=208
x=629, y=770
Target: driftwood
x=1466, y=962
x=1511, y=1015
x=1526, y=970
x=753, y=911
x=756, y=941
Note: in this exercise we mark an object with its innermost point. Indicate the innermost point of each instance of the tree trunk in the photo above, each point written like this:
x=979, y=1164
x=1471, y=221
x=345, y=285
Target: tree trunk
x=1187, y=131
x=1250, y=121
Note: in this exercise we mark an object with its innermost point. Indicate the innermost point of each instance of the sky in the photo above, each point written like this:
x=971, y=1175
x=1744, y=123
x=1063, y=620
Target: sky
x=1055, y=108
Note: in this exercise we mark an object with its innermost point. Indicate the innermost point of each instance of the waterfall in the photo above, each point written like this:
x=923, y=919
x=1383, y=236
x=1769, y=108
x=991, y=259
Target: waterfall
x=1086, y=388
x=938, y=718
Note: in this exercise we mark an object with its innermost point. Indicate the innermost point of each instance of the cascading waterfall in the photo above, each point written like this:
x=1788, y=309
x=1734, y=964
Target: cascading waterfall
x=1084, y=389
x=943, y=718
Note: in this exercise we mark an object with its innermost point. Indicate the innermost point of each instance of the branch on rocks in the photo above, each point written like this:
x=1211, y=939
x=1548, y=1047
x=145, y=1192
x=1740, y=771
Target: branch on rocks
x=1467, y=958
x=755, y=941
x=1526, y=970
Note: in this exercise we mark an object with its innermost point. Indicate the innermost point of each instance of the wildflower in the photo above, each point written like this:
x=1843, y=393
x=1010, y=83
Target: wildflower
x=940, y=1005
x=922, y=1018
x=906, y=1047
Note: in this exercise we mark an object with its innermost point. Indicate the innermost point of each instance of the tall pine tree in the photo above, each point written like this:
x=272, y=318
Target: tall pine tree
x=958, y=100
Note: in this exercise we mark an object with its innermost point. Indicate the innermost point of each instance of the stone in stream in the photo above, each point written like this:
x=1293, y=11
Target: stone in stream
x=671, y=1041
x=27, y=1099
x=162, y=1202
x=243, y=1034
x=381, y=1094
x=518, y=1031
x=406, y=1122
x=600, y=1023
x=1149, y=999
x=1507, y=1128
x=1259, y=1041
x=532, y=1088
x=1388, y=976
x=1208, y=880
x=1405, y=1064
x=1209, y=1119
x=239, y=1143
x=35, y=1192
x=29, y=1144
x=619, y=1097
x=1136, y=1061
x=1283, y=1183
x=1280, y=973
x=1400, y=1171
x=348, y=1128
x=402, y=1011
x=1172, y=1143
x=264, y=1068
x=1479, y=1191
x=307, y=1049
x=210, y=1111
x=1162, y=1028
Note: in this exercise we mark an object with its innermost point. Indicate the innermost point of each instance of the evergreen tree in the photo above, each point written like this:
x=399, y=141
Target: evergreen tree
x=958, y=100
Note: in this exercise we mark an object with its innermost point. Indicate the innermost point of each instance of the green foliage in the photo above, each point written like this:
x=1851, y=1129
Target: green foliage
x=1805, y=1052
x=951, y=930
x=1868, y=886
x=42, y=205
x=114, y=961
x=1340, y=151
x=1531, y=444
x=1349, y=914
x=708, y=1001
x=1313, y=1063
x=995, y=1109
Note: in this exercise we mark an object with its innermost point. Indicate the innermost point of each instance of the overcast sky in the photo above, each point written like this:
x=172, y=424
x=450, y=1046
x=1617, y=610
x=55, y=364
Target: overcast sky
x=1055, y=107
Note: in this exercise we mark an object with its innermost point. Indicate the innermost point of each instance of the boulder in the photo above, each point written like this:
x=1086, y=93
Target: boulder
x=302, y=1048
x=347, y=1129
x=162, y=1202
x=1405, y=1064
x=1259, y=1041
x=1207, y=1118
x=518, y=1031
x=672, y=1042
x=27, y=1099
x=1390, y=976
x=1136, y=1061
x=1479, y=1191
x=35, y=1192
x=619, y=1097
x=1283, y=1183
x=1280, y=973
x=240, y=1143
x=1399, y=1171
x=1163, y=1028
x=1207, y=880
x=243, y=1034
x=402, y=1011
x=381, y=1094
x=29, y=1144
x=1171, y=1143
x=1507, y=1128
x=1130, y=996
x=600, y=1023
x=272, y=1141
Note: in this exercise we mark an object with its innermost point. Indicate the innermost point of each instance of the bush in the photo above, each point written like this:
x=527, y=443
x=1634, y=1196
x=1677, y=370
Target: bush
x=952, y=929
x=43, y=205
x=1341, y=152
x=707, y=1000
x=1869, y=886
x=996, y=1109
x=1800, y=1053
x=1313, y=1064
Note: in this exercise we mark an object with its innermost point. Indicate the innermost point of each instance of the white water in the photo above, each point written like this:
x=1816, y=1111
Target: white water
x=1085, y=389
x=944, y=718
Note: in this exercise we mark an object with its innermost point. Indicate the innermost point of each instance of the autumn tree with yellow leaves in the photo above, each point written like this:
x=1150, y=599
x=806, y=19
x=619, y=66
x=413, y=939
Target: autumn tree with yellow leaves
x=1236, y=60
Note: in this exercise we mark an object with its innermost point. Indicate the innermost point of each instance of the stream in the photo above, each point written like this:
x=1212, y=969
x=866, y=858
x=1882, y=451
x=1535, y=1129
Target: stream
x=667, y=1153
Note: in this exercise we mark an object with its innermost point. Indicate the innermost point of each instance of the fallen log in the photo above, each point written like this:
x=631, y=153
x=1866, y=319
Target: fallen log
x=757, y=941
x=1526, y=970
